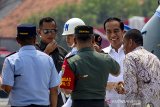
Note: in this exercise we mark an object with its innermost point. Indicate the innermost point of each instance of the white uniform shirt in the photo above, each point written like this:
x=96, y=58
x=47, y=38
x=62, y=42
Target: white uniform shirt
x=119, y=57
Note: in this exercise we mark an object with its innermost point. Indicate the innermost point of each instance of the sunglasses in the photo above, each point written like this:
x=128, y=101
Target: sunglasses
x=46, y=31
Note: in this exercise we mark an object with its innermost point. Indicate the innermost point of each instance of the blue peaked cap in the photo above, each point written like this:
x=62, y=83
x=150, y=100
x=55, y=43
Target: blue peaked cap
x=26, y=31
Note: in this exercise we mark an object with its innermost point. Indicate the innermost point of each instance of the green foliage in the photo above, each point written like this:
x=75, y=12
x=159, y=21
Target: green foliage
x=94, y=12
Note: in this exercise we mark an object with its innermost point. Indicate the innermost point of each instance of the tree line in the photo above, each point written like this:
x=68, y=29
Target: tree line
x=94, y=12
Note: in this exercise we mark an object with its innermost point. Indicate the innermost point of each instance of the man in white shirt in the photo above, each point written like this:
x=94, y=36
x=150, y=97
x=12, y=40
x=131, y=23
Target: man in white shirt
x=114, y=28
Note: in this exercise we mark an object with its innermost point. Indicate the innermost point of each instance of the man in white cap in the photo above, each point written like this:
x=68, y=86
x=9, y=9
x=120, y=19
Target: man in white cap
x=68, y=31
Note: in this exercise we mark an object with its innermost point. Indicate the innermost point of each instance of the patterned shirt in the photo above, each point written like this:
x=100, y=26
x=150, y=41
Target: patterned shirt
x=142, y=78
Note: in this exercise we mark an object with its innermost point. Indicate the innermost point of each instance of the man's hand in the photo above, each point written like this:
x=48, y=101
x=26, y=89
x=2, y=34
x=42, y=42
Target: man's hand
x=111, y=85
x=51, y=47
x=97, y=48
x=120, y=88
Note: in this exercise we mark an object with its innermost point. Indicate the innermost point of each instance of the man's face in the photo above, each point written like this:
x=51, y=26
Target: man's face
x=114, y=34
x=48, y=32
x=70, y=40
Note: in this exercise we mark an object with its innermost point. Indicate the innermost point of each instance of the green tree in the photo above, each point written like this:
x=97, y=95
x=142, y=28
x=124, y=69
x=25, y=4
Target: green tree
x=94, y=12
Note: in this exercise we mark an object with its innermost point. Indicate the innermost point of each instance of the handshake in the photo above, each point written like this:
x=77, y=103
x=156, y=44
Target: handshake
x=118, y=87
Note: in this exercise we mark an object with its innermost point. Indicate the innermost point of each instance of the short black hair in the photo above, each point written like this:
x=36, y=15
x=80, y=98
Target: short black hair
x=114, y=19
x=46, y=19
x=84, y=37
x=135, y=35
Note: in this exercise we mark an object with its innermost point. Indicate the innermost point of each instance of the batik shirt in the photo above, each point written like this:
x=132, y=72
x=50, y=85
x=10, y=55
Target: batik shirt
x=142, y=78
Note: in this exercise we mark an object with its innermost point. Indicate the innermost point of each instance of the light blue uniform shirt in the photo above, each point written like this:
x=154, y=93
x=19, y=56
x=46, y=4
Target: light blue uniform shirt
x=73, y=52
x=31, y=73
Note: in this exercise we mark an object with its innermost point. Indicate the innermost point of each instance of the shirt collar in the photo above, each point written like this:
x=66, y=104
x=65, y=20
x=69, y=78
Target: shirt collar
x=113, y=50
x=137, y=48
x=27, y=47
x=86, y=49
x=74, y=49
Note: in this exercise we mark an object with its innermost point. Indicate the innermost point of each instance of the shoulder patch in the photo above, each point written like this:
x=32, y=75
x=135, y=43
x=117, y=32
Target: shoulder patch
x=11, y=54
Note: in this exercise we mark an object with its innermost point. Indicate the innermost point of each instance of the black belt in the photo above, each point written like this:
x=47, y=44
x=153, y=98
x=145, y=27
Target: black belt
x=89, y=100
x=33, y=105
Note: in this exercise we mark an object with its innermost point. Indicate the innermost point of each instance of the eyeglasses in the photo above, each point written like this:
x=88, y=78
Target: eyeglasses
x=46, y=31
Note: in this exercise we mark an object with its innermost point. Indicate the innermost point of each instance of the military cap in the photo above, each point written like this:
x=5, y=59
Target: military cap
x=86, y=30
x=26, y=31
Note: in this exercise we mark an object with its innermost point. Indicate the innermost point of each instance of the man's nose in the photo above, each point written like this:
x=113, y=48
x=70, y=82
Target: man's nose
x=113, y=34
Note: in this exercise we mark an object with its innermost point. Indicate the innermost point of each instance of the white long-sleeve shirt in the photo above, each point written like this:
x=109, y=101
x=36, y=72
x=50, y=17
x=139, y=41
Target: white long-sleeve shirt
x=119, y=57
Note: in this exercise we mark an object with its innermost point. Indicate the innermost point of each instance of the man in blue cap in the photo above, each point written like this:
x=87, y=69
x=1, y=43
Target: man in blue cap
x=82, y=70
x=29, y=76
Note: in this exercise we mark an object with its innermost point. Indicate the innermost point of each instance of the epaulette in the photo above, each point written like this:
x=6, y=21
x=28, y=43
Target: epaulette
x=69, y=56
x=11, y=54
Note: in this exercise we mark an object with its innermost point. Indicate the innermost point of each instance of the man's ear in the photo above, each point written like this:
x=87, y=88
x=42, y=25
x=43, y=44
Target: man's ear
x=17, y=39
x=34, y=40
x=93, y=40
x=75, y=41
x=123, y=33
x=131, y=42
x=38, y=31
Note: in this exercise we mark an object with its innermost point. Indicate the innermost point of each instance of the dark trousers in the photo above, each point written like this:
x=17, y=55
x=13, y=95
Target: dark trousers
x=88, y=103
x=32, y=105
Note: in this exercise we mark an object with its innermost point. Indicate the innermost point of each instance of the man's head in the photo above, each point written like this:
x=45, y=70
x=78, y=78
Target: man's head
x=132, y=39
x=114, y=29
x=26, y=34
x=47, y=29
x=84, y=36
x=68, y=30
